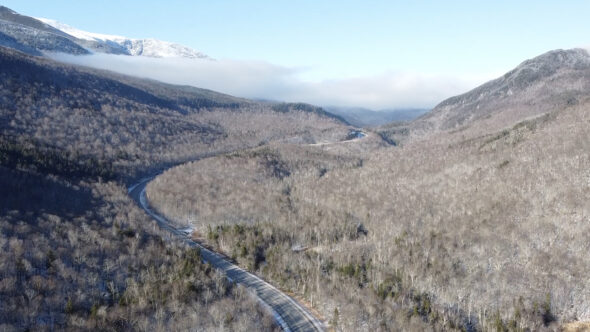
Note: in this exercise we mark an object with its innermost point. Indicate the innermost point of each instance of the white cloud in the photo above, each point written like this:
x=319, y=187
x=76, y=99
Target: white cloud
x=258, y=79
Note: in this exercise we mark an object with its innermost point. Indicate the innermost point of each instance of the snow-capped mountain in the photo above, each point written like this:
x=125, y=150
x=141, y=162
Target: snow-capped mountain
x=137, y=47
x=36, y=36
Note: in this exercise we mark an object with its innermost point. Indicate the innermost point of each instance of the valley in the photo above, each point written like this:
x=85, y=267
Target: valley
x=423, y=222
x=290, y=315
x=131, y=204
x=71, y=235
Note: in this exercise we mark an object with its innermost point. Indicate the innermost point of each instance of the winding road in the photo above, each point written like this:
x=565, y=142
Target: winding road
x=290, y=315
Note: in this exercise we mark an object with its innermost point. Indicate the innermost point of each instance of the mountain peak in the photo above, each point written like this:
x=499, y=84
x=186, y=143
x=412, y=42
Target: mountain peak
x=37, y=35
x=546, y=65
x=571, y=57
x=550, y=81
x=76, y=32
x=148, y=47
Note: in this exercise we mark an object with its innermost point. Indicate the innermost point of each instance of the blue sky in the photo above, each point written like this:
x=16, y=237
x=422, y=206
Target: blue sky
x=323, y=42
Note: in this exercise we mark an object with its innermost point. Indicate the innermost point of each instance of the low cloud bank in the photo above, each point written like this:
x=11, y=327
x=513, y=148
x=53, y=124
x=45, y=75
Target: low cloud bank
x=258, y=79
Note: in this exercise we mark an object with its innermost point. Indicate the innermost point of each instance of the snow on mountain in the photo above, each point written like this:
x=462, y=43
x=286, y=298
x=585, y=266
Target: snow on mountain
x=139, y=47
x=159, y=49
x=79, y=33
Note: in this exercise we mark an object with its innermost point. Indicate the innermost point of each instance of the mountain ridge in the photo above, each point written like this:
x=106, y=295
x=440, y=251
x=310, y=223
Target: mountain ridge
x=37, y=35
x=551, y=81
x=38, y=92
x=362, y=117
x=149, y=47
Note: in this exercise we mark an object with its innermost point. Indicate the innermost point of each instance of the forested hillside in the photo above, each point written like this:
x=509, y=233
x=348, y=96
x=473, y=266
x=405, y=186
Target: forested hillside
x=473, y=217
x=77, y=253
x=465, y=229
x=81, y=255
x=551, y=81
x=133, y=124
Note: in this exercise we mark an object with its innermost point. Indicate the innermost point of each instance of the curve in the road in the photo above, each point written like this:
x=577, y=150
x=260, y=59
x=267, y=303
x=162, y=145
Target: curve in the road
x=289, y=314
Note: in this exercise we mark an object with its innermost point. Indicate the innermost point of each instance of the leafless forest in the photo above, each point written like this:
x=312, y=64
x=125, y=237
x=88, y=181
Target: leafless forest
x=474, y=217
x=83, y=256
x=136, y=125
x=77, y=253
x=466, y=230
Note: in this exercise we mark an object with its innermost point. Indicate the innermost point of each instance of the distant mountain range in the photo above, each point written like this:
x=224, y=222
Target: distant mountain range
x=362, y=117
x=37, y=35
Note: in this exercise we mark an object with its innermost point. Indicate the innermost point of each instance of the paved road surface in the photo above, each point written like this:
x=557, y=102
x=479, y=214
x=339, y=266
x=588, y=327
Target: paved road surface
x=290, y=315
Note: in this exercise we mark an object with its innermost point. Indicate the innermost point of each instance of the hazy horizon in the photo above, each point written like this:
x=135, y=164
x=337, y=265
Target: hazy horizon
x=404, y=55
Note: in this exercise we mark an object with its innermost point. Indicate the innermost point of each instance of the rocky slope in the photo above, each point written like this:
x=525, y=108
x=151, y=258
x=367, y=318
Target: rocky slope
x=541, y=85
